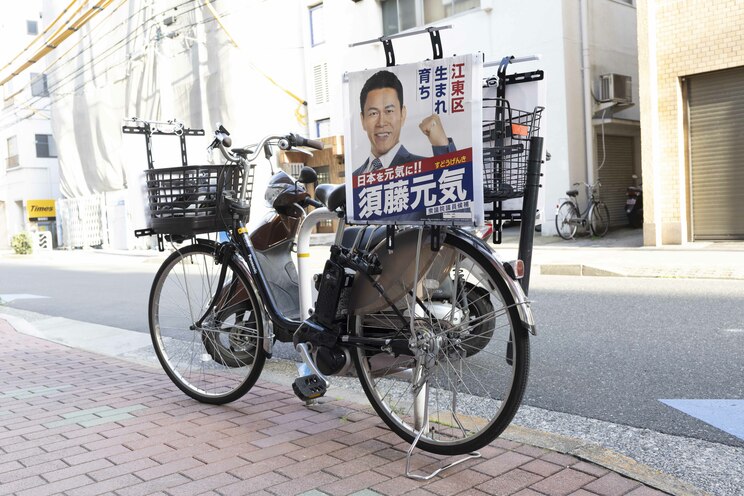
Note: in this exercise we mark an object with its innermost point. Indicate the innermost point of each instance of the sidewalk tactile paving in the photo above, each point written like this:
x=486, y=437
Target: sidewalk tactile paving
x=79, y=424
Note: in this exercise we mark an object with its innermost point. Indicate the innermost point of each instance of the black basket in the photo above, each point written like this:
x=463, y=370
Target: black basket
x=506, y=143
x=190, y=200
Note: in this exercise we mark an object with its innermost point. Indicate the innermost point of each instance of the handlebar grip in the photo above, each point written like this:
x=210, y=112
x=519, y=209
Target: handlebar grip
x=314, y=144
x=314, y=203
x=298, y=140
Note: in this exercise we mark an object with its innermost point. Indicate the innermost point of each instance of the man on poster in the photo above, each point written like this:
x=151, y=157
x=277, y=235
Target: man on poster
x=383, y=115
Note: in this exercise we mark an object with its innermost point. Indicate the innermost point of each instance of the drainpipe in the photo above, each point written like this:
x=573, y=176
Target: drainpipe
x=587, y=87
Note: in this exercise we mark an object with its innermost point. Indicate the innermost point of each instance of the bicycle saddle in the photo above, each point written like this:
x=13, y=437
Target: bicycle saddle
x=572, y=192
x=243, y=152
x=331, y=195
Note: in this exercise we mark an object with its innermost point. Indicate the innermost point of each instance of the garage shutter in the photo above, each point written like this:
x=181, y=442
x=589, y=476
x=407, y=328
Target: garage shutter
x=615, y=175
x=716, y=124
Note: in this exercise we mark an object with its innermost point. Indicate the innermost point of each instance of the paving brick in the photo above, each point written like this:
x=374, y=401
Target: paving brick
x=122, y=469
x=324, y=448
x=356, y=465
x=176, y=466
x=79, y=469
x=510, y=482
x=349, y=485
x=303, y=468
x=249, y=470
x=255, y=484
x=612, y=485
x=104, y=487
x=57, y=488
x=456, y=482
x=14, y=475
x=398, y=485
x=22, y=484
x=541, y=467
x=263, y=454
x=152, y=486
x=198, y=486
x=502, y=463
x=564, y=482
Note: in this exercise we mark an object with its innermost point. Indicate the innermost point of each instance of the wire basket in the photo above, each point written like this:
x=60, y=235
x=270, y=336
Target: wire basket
x=190, y=200
x=506, y=143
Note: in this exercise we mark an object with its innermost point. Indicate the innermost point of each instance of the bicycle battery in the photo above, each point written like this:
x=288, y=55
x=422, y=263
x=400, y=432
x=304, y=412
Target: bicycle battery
x=330, y=286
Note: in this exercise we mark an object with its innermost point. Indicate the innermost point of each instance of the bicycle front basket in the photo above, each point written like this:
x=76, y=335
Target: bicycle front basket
x=506, y=142
x=189, y=200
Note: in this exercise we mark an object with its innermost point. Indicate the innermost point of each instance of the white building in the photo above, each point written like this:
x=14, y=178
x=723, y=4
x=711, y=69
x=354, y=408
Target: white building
x=569, y=35
x=29, y=168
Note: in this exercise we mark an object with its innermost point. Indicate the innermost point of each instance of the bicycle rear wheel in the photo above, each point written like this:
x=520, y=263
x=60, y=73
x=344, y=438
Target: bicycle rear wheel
x=468, y=360
x=599, y=219
x=220, y=360
x=565, y=220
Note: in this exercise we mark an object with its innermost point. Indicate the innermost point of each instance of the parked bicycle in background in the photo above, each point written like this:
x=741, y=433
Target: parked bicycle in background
x=569, y=217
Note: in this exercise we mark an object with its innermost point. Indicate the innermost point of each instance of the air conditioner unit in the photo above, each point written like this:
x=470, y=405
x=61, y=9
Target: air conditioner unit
x=615, y=88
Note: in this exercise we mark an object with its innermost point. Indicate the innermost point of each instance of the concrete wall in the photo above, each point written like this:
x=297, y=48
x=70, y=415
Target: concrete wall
x=677, y=39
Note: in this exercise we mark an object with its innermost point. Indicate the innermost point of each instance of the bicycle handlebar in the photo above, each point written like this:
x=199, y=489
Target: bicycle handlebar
x=223, y=141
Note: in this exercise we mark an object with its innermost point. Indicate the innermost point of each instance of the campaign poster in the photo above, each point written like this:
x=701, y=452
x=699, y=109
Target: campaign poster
x=414, y=143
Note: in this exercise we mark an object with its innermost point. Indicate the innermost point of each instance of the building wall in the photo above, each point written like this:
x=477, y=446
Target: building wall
x=34, y=177
x=677, y=39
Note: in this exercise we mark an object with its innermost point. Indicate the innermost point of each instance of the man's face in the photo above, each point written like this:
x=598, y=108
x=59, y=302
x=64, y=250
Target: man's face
x=382, y=119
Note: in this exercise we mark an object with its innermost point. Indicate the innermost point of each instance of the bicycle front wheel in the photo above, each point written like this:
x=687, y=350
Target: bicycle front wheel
x=464, y=376
x=599, y=219
x=220, y=360
x=565, y=220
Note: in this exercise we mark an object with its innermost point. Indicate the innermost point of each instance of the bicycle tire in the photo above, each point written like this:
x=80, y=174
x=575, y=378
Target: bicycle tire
x=566, y=213
x=599, y=219
x=465, y=413
x=221, y=361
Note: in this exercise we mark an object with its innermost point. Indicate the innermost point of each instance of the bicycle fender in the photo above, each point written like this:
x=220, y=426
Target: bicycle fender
x=520, y=299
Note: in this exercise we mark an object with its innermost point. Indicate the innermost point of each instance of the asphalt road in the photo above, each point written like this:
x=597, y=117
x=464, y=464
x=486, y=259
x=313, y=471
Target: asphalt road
x=607, y=348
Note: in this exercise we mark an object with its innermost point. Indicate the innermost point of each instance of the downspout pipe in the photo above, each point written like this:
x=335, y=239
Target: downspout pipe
x=587, y=87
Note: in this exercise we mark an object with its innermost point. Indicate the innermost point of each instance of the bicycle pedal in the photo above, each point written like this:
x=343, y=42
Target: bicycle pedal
x=309, y=387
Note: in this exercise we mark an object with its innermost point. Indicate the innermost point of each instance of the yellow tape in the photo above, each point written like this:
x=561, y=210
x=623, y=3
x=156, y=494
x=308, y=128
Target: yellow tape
x=303, y=255
x=242, y=230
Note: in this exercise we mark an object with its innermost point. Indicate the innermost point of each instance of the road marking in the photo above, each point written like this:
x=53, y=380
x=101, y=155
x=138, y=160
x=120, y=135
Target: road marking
x=7, y=298
x=726, y=415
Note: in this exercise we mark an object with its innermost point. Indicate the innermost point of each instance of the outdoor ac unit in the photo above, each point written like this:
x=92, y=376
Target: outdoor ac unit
x=615, y=88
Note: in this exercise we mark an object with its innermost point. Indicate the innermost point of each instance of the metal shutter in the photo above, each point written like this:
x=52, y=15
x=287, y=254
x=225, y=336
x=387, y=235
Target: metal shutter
x=615, y=175
x=716, y=126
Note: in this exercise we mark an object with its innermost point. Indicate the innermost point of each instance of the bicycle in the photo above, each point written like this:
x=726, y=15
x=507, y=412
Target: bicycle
x=569, y=216
x=437, y=335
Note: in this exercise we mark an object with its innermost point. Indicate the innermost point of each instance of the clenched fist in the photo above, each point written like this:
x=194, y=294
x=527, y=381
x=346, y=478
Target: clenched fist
x=432, y=128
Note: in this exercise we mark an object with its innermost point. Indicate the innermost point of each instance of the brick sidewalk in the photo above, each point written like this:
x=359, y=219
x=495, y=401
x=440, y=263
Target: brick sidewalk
x=76, y=423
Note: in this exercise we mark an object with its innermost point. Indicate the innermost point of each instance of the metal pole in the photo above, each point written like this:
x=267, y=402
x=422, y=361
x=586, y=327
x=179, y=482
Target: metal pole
x=529, y=208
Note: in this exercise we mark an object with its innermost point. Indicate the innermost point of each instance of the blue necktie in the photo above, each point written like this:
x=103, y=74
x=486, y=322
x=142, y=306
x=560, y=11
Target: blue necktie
x=376, y=164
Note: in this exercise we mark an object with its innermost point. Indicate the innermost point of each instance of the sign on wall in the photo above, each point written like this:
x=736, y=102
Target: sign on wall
x=41, y=209
x=415, y=149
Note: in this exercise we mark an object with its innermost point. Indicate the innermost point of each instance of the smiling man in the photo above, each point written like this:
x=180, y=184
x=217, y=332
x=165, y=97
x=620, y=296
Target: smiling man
x=383, y=116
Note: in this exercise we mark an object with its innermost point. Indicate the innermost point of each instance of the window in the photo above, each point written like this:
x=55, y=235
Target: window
x=317, y=25
x=8, y=97
x=45, y=146
x=32, y=28
x=12, y=160
x=39, y=85
x=399, y=15
x=322, y=128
